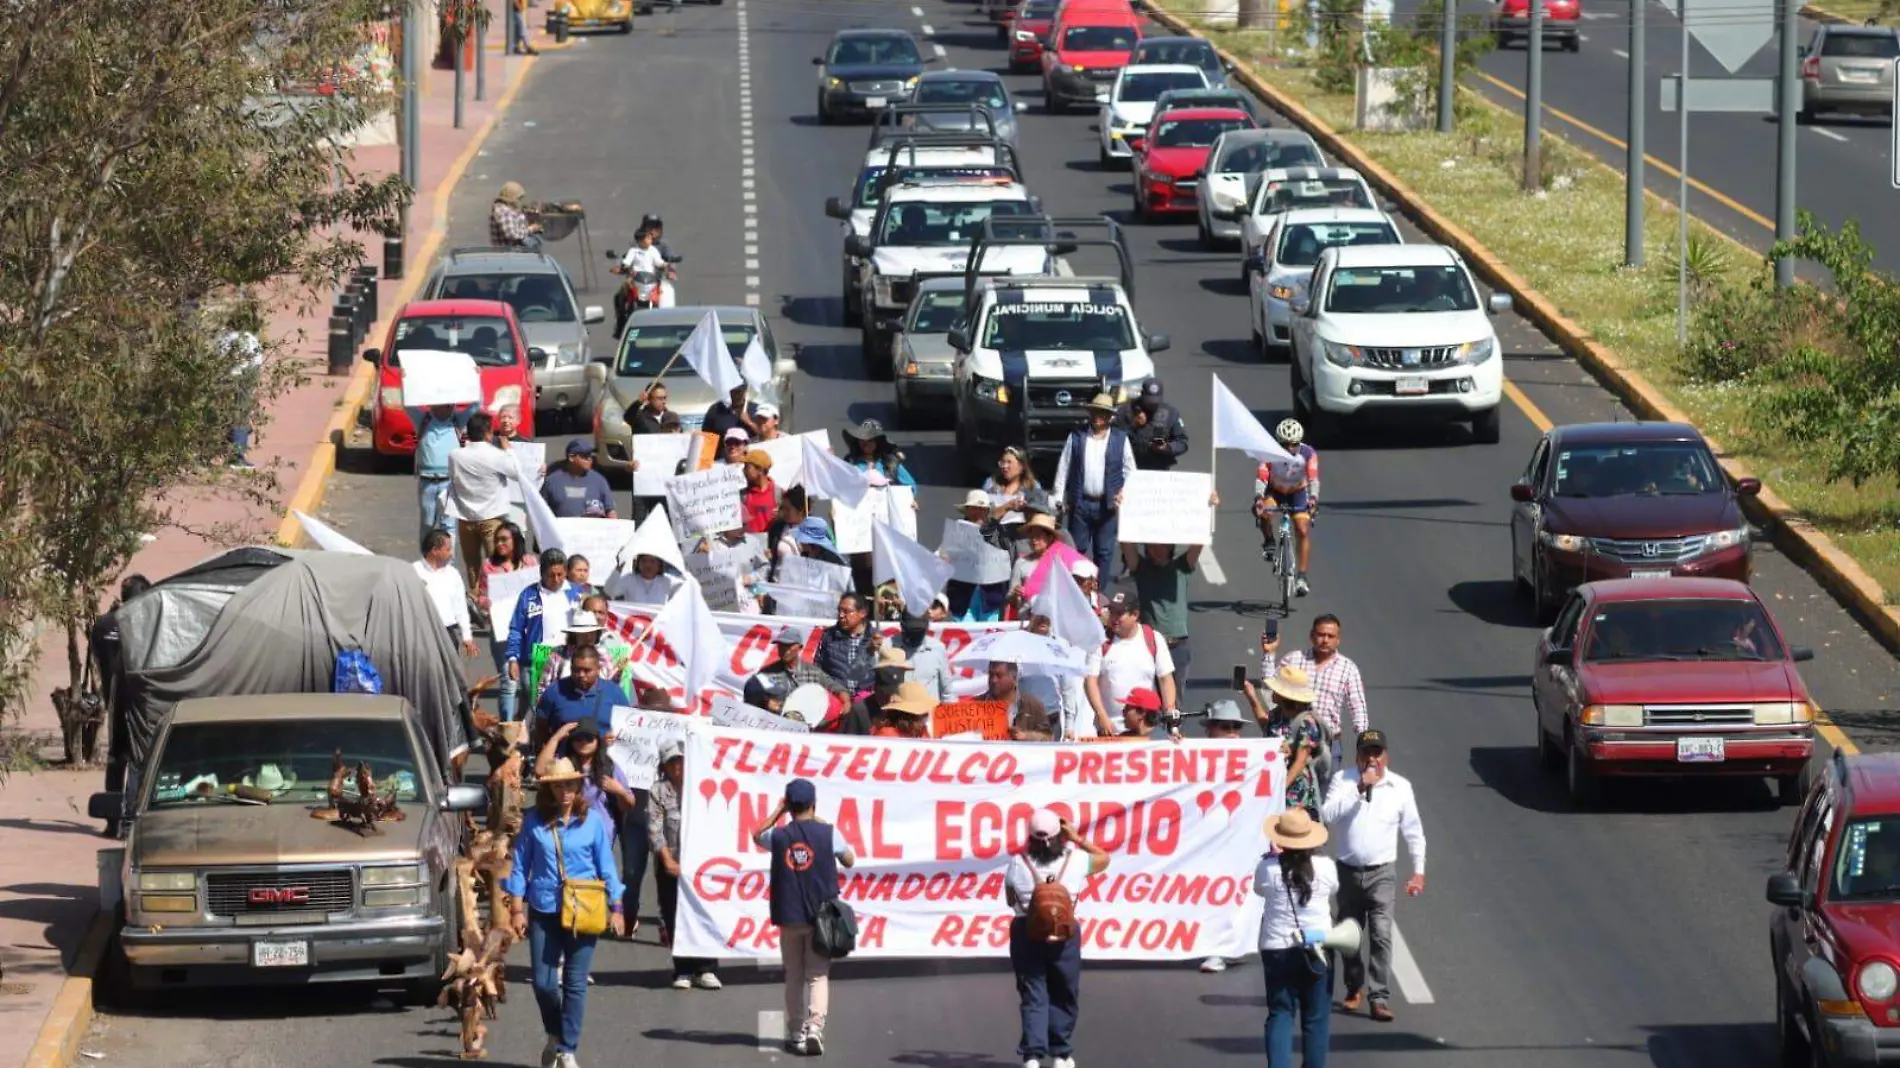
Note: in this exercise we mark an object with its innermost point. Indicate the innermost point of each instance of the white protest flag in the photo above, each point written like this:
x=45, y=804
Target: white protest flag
x=829, y=477
x=918, y=572
x=756, y=366
x=689, y=630
x=1236, y=428
x=705, y=351
x=547, y=533
x=327, y=537
x=654, y=537
x=1071, y=617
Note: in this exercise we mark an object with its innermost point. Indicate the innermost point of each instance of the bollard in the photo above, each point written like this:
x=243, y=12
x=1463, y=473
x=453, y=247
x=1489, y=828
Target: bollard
x=345, y=308
x=559, y=19
x=392, y=258
x=367, y=275
x=359, y=306
x=342, y=345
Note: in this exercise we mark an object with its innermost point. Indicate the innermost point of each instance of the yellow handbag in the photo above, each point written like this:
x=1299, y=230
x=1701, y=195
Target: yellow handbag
x=583, y=901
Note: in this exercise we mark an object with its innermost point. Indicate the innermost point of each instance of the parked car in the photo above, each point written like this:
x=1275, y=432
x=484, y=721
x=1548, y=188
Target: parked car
x=552, y=321
x=1834, y=934
x=1621, y=500
x=863, y=71
x=1850, y=69
x=584, y=15
x=484, y=329
x=1026, y=32
x=1196, y=51
x=227, y=881
x=1173, y=155
x=1562, y=19
x=922, y=360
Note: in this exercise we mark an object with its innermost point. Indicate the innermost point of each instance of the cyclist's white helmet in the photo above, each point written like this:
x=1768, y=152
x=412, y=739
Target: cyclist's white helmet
x=1289, y=433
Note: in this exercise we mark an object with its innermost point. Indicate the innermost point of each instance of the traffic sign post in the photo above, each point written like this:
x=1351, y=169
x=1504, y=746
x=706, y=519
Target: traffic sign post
x=1894, y=154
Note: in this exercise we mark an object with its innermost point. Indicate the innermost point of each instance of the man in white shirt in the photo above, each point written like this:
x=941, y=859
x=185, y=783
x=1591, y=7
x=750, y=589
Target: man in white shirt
x=479, y=474
x=447, y=592
x=1368, y=809
x=1135, y=659
x=1089, y=478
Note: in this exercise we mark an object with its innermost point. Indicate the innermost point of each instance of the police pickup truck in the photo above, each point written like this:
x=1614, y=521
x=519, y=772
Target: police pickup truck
x=1033, y=350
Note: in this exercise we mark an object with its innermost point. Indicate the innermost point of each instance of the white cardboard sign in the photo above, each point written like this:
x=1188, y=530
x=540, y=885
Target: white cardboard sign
x=1166, y=508
x=430, y=378
x=706, y=502
x=976, y=561
x=659, y=455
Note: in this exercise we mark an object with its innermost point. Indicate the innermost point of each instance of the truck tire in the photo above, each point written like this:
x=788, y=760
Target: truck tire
x=1487, y=427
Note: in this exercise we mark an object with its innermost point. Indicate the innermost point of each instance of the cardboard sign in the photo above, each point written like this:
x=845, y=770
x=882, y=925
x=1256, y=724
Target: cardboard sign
x=975, y=560
x=798, y=601
x=895, y=505
x=706, y=502
x=639, y=735
x=659, y=456
x=599, y=540
x=706, y=451
x=989, y=719
x=1167, y=508
x=533, y=457
x=723, y=590
x=504, y=589
x=788, y=455
x=804, y=572
x=728, y=711
x=430, y=378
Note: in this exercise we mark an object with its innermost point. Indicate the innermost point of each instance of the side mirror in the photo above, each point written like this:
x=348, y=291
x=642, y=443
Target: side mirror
x=1159, y=343
x=374, y=356
x=1387, y=206
x=1748, y=487
x=1785, y=890
x=817, y=61
x=857, y=245
x=959, y=339
x=891, y=326
x=537, y=356
x=1063, y=248
x=108, y=806
x=593, y=313
x=1021, y=106
x=785, y=367
x=834, y=207
x=1255, y=261
x=465, y=797
x=597, y=373
x=1300, y=304
x=1558, y=657
x=1231, y=214
x=1800, y=654
x=1200, y=174
x=1035, y=204
x=1523, y=492
x=1500, y=303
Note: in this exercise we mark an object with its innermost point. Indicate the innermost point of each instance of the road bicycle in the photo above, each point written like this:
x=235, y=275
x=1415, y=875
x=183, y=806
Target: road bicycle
x=1279, y=550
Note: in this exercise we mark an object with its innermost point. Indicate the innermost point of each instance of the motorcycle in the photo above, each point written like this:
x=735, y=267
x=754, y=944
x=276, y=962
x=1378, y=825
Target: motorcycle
x=642, y=290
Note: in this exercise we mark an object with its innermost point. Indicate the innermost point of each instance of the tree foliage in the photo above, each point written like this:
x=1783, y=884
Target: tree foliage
x=170, y=173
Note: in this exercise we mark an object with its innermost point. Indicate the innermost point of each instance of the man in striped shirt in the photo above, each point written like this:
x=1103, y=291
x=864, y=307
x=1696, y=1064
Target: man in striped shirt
x=1335, y=679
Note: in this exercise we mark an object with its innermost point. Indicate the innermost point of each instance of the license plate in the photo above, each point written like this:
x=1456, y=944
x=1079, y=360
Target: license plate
x=280, y=954
x=1863, y=77
x=1701, y=750
x=1413, y=387
x=1663, y=573
x=875, y=101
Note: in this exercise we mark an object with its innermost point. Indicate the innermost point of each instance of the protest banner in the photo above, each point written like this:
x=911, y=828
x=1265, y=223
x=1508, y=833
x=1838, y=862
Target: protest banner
x=533, y=458
x=599, y=540
x=706, y=502
x=1167, y=508
x=639, y=735
x=659, y=456
x=935, y=823
x=976, y=561
x=430, y=378
x=986, y=719
x=732, y=712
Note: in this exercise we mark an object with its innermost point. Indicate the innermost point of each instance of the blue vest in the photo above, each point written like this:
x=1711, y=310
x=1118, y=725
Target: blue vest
x=1112, y=478
x=804, y=870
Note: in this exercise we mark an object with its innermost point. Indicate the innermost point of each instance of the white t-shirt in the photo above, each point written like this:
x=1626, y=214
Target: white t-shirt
x=1127, y=667
x=1072, y=870
x=448, y=592
x=479, y=474
x=640, y=259
x=1279, y=927
x=632, y=588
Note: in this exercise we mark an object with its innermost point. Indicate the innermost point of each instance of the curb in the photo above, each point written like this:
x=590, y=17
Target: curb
x=70, y=1018
x=308, y=496
x=1812, y=549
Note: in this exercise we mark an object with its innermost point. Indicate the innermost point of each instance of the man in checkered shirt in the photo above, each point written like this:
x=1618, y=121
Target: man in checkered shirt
x=1335, y=677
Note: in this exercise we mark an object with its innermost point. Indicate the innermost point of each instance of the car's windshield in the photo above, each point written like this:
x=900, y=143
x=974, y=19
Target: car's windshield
x=1191, y=53
x=648, y=347
x=873, y=51
x=920, y=222
x=1146, y=88
x=1666, y=468
x=1201, y=98
x=961, y=91
x=1292, y=194
x=1867, y=864
x=1685, y=629
x=536, y=298
x=281, y=760
x=485, y=338
x=1075, y=327
x=1194, y=133
x=1389, y=290
x=1301, y=245
x=1039, y=9
x=1861, y=45
x=1099, y=38
x=870, y=189
x=1256, y=156
x=936, y=312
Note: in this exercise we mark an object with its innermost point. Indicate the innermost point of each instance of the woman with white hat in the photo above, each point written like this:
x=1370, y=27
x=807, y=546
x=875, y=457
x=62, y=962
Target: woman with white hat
x=1309, y=758
x=1296, y=886
x=970, y=600
x=564, y=849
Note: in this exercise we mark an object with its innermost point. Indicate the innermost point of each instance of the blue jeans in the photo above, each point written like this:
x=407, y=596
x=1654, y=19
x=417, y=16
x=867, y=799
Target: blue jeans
x=518, y=23
x=240, y=442
x=1295, y=993
x=1093, y=525
x=432, y=500
x=560, y=964
x=1049, y=984
x=634, y=852
x=498, y=646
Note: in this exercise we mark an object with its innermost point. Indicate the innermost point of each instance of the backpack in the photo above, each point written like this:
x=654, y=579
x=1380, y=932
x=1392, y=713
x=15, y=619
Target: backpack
x=1147, y=633
x=1051, y=906
x=356, y=673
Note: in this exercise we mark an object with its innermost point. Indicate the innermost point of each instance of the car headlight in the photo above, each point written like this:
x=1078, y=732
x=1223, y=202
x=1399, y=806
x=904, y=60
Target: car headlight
x=1726, y=539
x=175, y=881
x=990, y=389
x=1342, y=355
x=1569, y=543
x=1476, y=352
x=168, y=903
x=1625, y=716
x=1079, y=68
x=392, y=875
x=392, y=396
x=1222, y=200
x=911, y=82
x=1783, y=713
x=1129, y=388
x=1280, y=292
x=1877, y=980
x=835, y=83
x=1025, y=35
x=506, y=397
x=567, y=355
x=392, y=899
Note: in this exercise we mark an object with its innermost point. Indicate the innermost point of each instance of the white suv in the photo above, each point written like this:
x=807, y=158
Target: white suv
x=1396, y=329
x=1131, y=103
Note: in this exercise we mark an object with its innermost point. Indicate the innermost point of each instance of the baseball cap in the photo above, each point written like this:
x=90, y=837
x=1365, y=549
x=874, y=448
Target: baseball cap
x=1143, y=698
x=1120, y=603
x=765, y=411
x=738, y=434
x=1373, y=738
x=1084, y=569
x=801, y=792
x=789, y=635
x=588, y=727
x=1151, y=389
x=758, y=458
x=580, y=447
x=1045, y=824
x=671, y=751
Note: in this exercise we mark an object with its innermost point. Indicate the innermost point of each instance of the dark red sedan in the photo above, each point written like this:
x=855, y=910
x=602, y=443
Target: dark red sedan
x=1670, y=677
x=1173, y=154
x=1028, y=24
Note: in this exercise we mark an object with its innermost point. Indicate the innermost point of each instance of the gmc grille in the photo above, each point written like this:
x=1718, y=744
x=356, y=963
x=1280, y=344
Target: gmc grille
x=330, y=890
x=1640, y=551
x=1674, y=716
x=1397, y=359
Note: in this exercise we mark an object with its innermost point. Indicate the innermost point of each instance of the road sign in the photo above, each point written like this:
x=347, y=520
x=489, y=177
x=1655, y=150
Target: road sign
x=1754, y=96
x=1731, y=32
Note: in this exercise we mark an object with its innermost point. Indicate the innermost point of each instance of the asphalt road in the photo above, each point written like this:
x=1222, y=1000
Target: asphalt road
x=1632, y=936
x=1843, y=163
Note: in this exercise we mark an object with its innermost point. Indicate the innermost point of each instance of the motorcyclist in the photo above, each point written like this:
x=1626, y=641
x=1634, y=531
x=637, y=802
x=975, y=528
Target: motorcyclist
x=643, y=256
x=658, y=226
x=1295, y=483
x=1154, y=429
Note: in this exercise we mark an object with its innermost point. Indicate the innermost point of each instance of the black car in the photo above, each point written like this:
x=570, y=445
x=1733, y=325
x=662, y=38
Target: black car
x=865, y=71
x=1192, y=51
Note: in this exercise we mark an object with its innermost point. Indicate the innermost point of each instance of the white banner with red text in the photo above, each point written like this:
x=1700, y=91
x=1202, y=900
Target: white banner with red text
x=935, y=823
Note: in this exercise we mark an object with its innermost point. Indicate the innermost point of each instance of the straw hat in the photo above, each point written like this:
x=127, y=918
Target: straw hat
x=1101, y=402
x=581, y=621
x=1292, y=684
x=892, y=656
x=1295, y=829
x=511, y=193
x=273, y=778
x=912, y=699
x=562, y=770
x=976, y=498
x=1040, y=521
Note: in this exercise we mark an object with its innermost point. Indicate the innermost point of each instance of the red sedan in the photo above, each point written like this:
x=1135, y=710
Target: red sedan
x=486, y=330
x=1174, y=152
x=1670, y=677
x=1562, y=19
x=1028, y=25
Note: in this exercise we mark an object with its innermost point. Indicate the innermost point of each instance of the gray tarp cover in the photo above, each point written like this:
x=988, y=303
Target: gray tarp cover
x=283, y=631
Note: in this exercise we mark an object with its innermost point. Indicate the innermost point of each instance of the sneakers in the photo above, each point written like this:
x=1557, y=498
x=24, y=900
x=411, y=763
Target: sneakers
x=708, y=981
x=796, y=1046
x=682, y=982
x=550, y=1052
x=1211, y=965
x=815, y=1044
x=1064, y=1062
x=566, y=1060
x=1300, y=587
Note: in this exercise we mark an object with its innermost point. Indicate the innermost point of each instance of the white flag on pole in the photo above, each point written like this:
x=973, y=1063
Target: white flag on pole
x=1236, y=428
x=327, y=537
x=547, y=533
x=1071, y=617
x=831, y=478
x=756, y=366
x=918, y=572
x=705, y=350
x=688, y=628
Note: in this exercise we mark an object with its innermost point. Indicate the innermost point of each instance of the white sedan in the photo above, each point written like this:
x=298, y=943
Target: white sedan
x=1289, y=188
x=1285, y=268
x=1233, y=165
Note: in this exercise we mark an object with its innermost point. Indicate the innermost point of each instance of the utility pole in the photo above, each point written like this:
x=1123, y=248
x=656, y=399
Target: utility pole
x=1250, y=14
x=1448, y=65
x=1682, y=184
x=481, y=58
x=1534, y=102
x=409, y=135
x=1785, y=110
x=1635, y=159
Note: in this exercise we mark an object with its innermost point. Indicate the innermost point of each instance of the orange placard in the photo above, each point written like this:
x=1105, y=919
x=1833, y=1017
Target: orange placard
x=988, y=718
x=708, y=453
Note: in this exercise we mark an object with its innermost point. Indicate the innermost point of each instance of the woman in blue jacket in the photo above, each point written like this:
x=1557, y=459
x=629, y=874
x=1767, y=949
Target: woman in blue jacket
x=530, y=620
x=563, y=837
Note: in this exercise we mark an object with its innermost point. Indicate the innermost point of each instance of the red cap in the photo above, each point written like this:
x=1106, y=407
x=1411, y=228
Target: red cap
x=1143, y=699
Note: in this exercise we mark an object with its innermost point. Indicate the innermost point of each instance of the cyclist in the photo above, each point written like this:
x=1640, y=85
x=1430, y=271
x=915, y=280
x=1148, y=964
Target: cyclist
x=1294, y=483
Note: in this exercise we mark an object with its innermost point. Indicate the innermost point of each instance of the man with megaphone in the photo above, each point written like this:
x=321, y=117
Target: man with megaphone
x=1368, y=809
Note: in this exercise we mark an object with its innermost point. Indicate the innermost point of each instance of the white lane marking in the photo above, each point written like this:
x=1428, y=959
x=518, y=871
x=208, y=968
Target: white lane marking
x=1619, y=53
x=752, y=281
x=1405, y=970
x=771, y=1030
x=1063, y=270
x=752, y=265
x=749, y=194
x=940, y=50
x=751, y=300
x=1829, y=134
x=771, y=1024
x=917, y=11
x=748, y=184
x=751, y=249
x=928, y=29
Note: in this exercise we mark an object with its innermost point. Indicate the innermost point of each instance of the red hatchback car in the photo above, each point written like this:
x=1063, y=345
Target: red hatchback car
x=1029, y=23
x=1512, y=20
x=1173, y=153
x=1670, y=677
x=484, y=329
x=1834, y=935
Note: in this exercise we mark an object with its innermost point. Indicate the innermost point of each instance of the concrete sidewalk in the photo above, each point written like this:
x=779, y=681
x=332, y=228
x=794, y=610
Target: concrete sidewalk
x=48, y=894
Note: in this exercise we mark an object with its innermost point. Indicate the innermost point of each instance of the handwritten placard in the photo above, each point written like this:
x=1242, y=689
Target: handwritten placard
x=976, y=561
x=986, y=719
x=896, y=505
x=659, y=457
x=1167, y=508
x=639, y=735
x=788, y=455
x=724, y=592
x=600, y=540
x=728, y=711
x=504, y=589
x=706, y=502
x=430, y=378
x=533, y=457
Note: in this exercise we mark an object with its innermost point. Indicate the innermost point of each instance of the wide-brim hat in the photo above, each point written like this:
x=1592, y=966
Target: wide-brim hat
x=1292, y=684
x=976, y=498
x=562, y=770
x=892, y=656
x=1295, y=829
x=1040, y=521
x=912, y=699
x=869, y=430
x=581, y=621
x=1101, y=402
x=273, y=778
x=1225, y=711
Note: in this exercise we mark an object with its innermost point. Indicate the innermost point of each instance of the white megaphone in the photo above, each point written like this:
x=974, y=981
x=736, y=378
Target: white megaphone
x=1343, y=938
